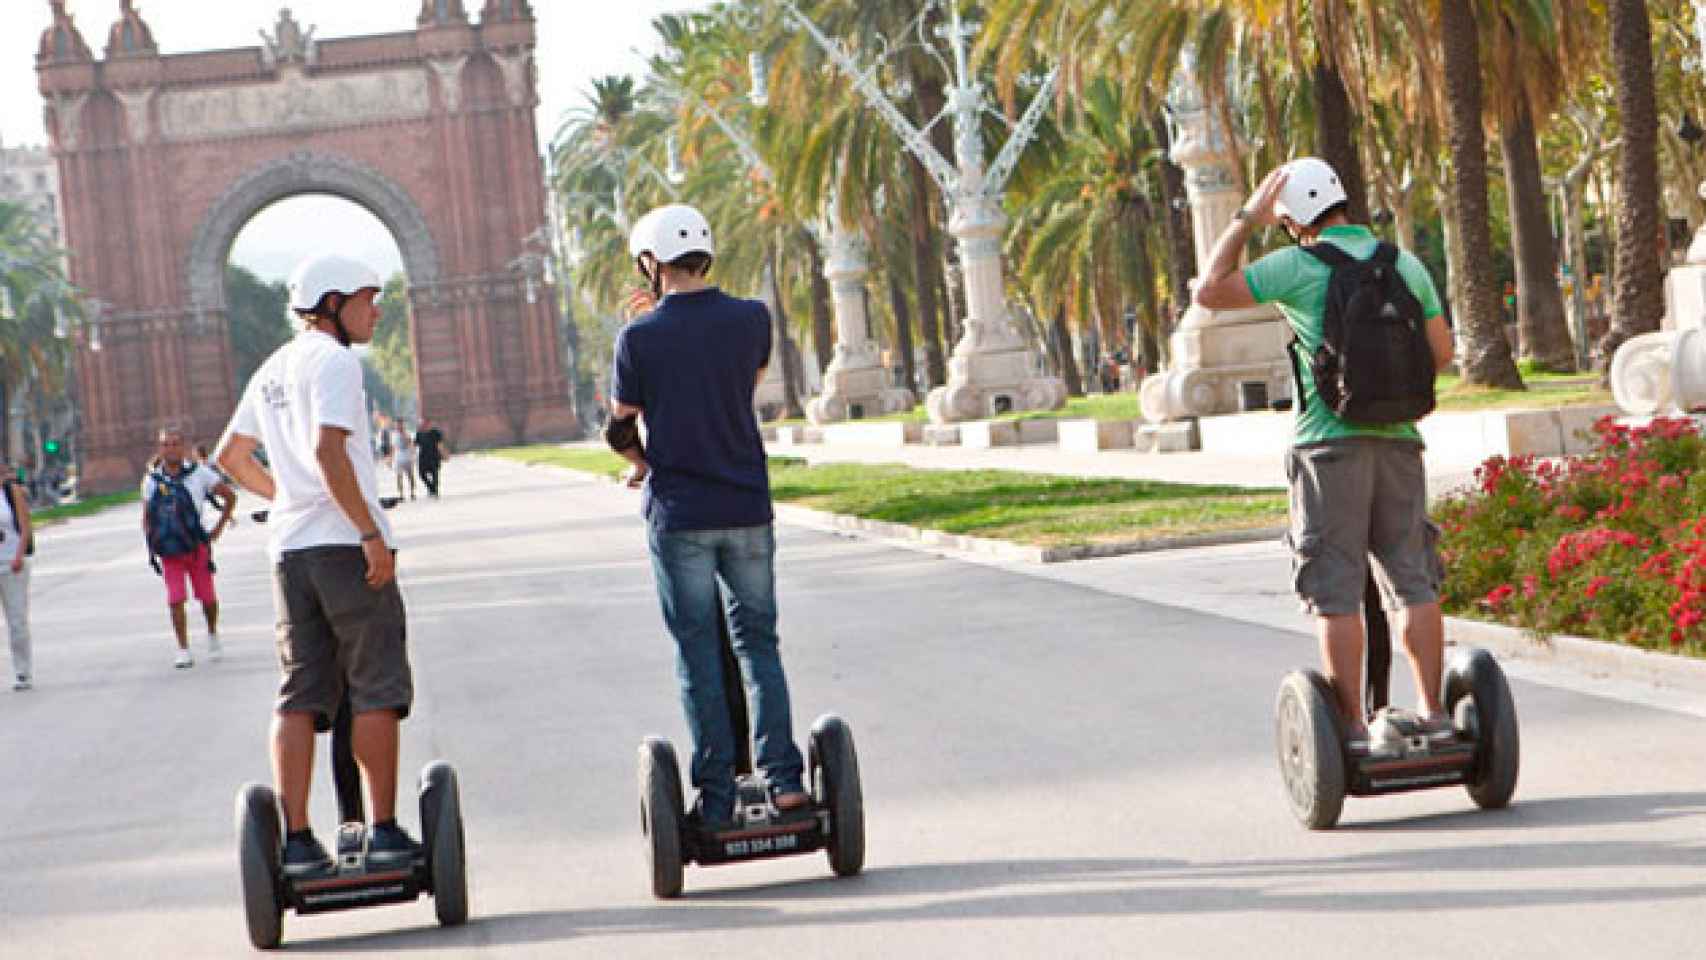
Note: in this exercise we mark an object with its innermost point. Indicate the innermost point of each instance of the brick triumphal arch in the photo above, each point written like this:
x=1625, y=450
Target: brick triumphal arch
x=163, y=159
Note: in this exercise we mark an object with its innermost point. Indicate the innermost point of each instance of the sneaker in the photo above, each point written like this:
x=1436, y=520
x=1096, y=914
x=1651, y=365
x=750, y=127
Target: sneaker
x=1397, y=731
x=214, y=650
x=389, y=846
x=22, y=683
x=1438, y=728
x=304, y=858
x=184, y=660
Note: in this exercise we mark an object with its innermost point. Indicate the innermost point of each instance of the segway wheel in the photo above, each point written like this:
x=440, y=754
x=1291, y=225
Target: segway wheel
x=259, y=849
x=446, y=848
x=834, y=766
x=1311, y=749
x=661, y=810
x=1482, y=708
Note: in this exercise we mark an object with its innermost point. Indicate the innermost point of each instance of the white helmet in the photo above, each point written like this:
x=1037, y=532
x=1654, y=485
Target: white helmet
x=670, y=233
x=1311, y=187
x=317, y=276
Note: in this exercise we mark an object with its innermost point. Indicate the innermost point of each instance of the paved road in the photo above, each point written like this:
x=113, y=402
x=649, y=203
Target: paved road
x=1052, y=768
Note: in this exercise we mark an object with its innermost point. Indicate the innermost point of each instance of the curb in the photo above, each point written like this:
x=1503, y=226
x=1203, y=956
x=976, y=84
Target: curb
x=1592, y=657
x=938, y=541
x=955, y=543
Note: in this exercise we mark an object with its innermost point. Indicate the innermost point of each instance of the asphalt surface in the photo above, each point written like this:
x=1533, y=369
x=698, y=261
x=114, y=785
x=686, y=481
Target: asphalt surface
x=1052, y=766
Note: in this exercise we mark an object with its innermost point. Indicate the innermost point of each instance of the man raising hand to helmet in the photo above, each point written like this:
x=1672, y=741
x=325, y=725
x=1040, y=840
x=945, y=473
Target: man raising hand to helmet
x=340, y=614
x=689, y=366
x=1358, y=489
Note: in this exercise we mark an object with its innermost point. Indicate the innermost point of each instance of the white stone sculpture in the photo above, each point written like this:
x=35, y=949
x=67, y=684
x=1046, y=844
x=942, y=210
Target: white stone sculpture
x=1214, y=351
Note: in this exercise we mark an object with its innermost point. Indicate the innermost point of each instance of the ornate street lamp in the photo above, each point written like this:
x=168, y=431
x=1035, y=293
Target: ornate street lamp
x=991, y=366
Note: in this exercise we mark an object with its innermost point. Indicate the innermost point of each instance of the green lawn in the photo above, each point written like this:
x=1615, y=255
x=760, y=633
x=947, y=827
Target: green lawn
x=82, y=508
x=1025, y=508
x=1545, y=391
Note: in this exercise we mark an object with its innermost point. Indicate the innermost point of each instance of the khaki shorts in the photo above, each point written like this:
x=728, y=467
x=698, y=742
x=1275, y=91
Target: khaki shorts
x=1356, y=499
x=337, y=634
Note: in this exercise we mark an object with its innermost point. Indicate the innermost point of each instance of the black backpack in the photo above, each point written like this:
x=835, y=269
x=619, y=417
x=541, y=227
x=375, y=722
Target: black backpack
x=1375, y=364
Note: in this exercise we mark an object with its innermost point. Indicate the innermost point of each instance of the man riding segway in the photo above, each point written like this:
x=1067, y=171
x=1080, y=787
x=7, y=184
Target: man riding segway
x=689, y=366
x=342, y=628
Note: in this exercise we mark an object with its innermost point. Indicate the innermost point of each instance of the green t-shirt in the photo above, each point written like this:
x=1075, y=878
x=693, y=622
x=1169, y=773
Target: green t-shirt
x=1296, y=282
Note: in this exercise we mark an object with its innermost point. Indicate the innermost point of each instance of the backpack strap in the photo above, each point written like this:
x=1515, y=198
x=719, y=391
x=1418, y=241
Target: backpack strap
x=1298, y=400
x=1330, y=254
x=1385, y=254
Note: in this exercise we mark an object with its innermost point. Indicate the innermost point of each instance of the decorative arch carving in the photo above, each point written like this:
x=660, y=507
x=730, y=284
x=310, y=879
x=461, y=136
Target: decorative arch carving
x=292, y=175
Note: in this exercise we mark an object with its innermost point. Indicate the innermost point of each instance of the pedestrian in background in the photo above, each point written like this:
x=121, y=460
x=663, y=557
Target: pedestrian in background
x=179, y=548
x=17, y=544
x=429, y=442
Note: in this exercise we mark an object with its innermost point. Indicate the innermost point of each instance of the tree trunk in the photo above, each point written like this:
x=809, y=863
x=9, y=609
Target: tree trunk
x=1335, y=141
x=1488, y=361
x=1175, y=222
x=1068, y=363
x=791, y=372
x=823, y=323
x=923, y=261
x=903, y=331
x=952, y=313
x=1638, y=297
x=1544, y=330
x=6, y=418
x=1576, y=255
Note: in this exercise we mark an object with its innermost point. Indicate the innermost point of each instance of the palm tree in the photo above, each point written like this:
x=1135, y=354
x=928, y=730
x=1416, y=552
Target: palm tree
x=36, y=307
x=1086, y=221
x=1638, y=297
x=1488, y=359
x=1534, y=61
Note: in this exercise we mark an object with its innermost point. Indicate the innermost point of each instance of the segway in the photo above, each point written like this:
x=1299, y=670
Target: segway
x=833, y=822
x=1321, y=767
x=440, y=870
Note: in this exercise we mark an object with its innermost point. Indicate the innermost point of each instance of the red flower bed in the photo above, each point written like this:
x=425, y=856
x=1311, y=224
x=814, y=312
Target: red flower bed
x=1610, y=545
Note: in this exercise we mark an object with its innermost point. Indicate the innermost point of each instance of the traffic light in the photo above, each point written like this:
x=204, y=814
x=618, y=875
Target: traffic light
x=50, y=447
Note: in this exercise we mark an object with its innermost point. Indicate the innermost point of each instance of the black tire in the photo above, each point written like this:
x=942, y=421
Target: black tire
x=446, y=846
x=1311, y=749
x=661, y=811
x=1479, y=699
x=834, y=768
x=259, y=849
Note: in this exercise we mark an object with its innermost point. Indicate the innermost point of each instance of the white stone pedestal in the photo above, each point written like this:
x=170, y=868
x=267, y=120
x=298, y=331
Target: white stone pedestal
x=1213, y=353
x=855, y=386
x=993, y=370
x=1211, y=363
x=1665, y=372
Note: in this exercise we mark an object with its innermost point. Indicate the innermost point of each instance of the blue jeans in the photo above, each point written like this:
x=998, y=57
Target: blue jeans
x=689, y=565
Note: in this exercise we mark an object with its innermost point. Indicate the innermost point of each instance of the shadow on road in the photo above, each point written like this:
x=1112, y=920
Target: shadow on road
x=1069, y=887
x=1590, y=811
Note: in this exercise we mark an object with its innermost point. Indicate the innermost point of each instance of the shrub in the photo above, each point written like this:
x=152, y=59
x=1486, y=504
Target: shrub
x=1611, y=544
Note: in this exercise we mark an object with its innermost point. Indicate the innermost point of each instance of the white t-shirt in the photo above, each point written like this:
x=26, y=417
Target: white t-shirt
x=199, y=483
x=309, y=383
x=402, y=450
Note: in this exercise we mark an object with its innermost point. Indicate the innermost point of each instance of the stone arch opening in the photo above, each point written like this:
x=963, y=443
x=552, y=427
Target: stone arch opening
x=267, y=250
x=296, y=175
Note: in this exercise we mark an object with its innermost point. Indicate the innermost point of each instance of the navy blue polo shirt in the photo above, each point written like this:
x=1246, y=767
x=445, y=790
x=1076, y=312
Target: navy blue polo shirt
x=692, y=365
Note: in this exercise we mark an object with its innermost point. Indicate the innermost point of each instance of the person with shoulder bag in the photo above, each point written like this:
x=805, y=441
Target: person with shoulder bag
x=1369, y=338
x=17, y=545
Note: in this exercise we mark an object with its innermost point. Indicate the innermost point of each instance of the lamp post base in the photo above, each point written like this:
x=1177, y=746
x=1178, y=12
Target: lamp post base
x=988, y=383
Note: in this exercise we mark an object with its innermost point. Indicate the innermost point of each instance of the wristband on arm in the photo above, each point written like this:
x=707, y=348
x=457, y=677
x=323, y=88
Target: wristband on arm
x=624, y=434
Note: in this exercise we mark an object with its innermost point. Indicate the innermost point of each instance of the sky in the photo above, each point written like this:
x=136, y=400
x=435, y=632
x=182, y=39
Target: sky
x=578, y=40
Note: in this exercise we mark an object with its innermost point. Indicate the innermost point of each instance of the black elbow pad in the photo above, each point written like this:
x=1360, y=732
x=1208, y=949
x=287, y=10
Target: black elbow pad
x=622, y=434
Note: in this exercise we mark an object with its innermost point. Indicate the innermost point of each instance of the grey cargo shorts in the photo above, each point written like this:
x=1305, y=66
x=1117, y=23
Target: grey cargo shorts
x=337, y=633
x=1356, y=499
